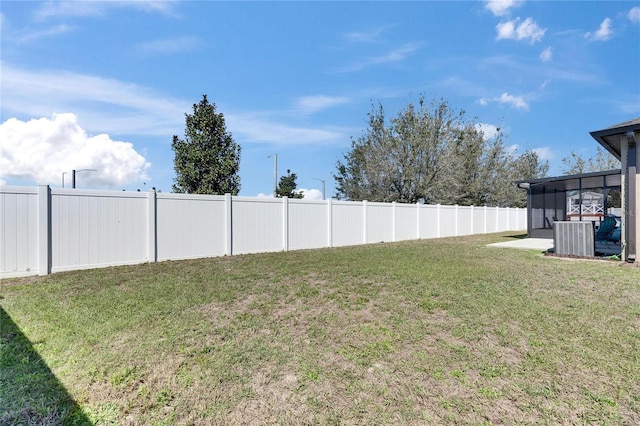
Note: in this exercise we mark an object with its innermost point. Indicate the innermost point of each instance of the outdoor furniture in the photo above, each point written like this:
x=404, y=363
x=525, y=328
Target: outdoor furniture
x=607, y=237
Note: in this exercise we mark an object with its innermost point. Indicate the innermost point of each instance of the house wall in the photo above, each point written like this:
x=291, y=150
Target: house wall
x=630, y=197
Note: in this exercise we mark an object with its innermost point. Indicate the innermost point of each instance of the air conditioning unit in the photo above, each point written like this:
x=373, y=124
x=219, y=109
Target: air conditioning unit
x=574, y=238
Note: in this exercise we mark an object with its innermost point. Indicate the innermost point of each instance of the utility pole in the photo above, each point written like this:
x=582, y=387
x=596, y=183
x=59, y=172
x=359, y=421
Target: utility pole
x=275, y=174
x=73, y=175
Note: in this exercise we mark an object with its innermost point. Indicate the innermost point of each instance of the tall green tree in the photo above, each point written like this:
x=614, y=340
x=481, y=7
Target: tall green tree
x=287, y=186
x=207, y=160
x=400, y=161
x=435, y=154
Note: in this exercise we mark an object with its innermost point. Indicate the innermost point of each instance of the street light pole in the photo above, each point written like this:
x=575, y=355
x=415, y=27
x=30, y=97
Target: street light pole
x=275, y=174
x=323, y=193
x=73, y=175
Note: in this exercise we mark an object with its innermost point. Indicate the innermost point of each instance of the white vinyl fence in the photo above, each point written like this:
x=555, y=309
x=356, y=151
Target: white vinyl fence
x=45, y=230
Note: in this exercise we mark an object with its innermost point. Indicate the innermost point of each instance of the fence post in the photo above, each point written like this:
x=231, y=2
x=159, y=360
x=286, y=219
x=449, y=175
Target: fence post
x=456, y=217
x=364, y=222
x=330, y=223
x=485, y=219
x=228, y=231
x=472, y=219
x=285, y=223
x=44, y=230
x=438, y=220
x=152, y=223
x=393, y=221
x=418, y=221
x=508, y=220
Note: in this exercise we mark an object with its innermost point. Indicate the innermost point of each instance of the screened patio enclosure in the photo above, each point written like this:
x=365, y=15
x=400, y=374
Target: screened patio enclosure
x=581, y=197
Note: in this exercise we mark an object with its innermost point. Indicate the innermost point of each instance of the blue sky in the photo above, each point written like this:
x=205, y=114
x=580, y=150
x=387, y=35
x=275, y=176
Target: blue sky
x=105, y=85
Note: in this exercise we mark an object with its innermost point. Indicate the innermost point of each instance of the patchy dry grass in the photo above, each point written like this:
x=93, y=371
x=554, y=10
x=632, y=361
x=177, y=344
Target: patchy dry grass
x=427, y=332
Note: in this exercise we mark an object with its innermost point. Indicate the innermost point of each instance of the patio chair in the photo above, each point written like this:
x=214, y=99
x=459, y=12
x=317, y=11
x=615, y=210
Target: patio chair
x=606, y=227
x=607, y=238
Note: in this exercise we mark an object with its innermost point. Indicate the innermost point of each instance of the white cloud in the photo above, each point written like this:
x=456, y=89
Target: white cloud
x=313, y=104
x=544, y=153
x=546, y=54
x=171, y=46
x=516, y=30
x=41, y=150
x=501, y=7
x=517, y=102
x=634, y=15
x=311, y=194
x=603, y=33
x=488, y=130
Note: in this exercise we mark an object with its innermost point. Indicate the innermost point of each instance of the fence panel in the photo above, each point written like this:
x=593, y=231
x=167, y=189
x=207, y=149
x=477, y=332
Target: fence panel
x=308, y=224
x=492, y=219
x=465, y=220
x=347, y=219
x=406, y=222
x=257, y=225
x=379, y=222
x=190, y=226
x=478, y=220
x=97, y=228
x=429, y=221
x=19, y=230
x=448, y=221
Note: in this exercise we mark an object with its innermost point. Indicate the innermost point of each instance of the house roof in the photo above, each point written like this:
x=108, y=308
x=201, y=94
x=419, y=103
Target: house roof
x=609, y=138
x=609, y=178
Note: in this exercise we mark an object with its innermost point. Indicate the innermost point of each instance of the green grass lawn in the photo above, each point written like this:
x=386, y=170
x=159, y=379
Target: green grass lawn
x=427, y=332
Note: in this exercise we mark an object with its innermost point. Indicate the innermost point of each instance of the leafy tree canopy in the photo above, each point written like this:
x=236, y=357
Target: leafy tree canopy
x=207, y=160
x=432, y=153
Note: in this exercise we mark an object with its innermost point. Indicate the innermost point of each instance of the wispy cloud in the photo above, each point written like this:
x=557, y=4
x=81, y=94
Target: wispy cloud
x=546, y=54
x=52, y=9
x=171, y=45
x=29, y=35
x=516, y=102
x=256, y=129
x=111, y=106
x=634, y=15
x=502, y=7
x=102, y=105
x=516, y=30
x=366, y=36
x=603, y=33
x=313, y=104
x=396, y=55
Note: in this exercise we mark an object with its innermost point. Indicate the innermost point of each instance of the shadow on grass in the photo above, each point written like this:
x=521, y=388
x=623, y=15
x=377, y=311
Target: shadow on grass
x=30, y=394
x=517, y=237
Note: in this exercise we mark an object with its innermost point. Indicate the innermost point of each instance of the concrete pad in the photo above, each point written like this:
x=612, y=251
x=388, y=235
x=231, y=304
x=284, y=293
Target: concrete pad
x=541, y=244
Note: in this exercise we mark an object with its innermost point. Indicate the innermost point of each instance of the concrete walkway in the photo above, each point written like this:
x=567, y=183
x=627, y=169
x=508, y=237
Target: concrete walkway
x=541, y=244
